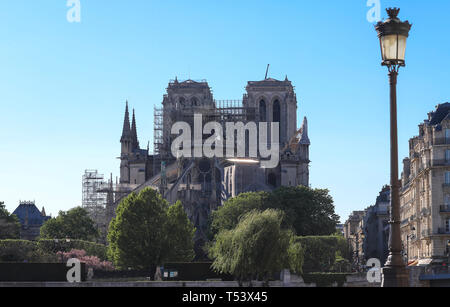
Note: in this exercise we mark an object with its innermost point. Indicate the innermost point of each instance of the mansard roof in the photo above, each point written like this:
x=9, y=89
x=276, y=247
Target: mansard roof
x=29, y=214
x=441, y=112
x=385, y=195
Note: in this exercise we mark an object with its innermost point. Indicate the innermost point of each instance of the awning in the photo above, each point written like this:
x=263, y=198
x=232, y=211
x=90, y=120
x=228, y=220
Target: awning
x=413, y=263
x=425, y=261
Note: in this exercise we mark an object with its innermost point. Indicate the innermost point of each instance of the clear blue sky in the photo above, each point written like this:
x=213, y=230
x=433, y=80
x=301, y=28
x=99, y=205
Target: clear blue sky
x=63, y=85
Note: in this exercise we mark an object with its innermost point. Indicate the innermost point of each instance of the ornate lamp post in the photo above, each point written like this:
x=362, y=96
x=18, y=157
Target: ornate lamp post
x=393, y=34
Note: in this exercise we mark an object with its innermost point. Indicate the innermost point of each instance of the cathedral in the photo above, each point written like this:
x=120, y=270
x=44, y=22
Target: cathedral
x=203, y=184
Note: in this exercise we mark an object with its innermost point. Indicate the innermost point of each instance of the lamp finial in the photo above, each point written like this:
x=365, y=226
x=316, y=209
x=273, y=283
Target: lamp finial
x=393, y=12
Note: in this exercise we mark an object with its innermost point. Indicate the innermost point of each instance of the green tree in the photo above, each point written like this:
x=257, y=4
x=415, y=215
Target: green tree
x=146, y=232
x=309, y=211
x=257, y=248
x=227, y=216
x=9, y=224
x=180, y=232
x=322, y=252
x=74, y=224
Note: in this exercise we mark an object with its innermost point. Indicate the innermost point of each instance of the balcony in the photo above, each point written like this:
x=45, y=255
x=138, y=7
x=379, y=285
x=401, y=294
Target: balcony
x=426, y=233
x=441, y=141
x=445, y=209
x=443, y=231
x=440, y=162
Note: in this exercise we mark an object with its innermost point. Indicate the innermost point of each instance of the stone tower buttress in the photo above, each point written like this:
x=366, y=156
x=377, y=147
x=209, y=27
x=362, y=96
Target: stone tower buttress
x=304, y=145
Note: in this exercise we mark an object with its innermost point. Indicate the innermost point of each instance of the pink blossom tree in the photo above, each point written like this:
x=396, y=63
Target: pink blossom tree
x=90, y=261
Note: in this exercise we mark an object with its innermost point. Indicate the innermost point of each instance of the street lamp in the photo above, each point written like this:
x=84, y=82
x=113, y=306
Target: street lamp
x=393, y=34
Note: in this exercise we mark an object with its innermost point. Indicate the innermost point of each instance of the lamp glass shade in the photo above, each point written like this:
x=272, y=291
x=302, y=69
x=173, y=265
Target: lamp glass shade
x=393, y=48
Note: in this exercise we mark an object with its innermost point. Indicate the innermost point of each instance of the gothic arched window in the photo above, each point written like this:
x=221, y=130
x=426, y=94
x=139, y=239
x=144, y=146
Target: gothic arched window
x=277, y=115
x=262, y=111
x=276, y=111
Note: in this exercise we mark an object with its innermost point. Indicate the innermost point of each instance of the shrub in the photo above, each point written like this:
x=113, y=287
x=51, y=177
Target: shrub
x=46, y=250
x=54, y=246
x=341, y=265
x=23, y=251
x=90, y=261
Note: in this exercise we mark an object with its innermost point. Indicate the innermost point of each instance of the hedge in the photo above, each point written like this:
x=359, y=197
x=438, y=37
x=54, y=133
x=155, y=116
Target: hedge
x=325, y=279
x=320, y=252
x=45, y=250
x=18, y=251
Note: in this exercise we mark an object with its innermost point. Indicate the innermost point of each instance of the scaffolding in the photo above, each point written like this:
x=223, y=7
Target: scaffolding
x=158, y=139
x=93, y=200
x=233, y=110
x=158, y=130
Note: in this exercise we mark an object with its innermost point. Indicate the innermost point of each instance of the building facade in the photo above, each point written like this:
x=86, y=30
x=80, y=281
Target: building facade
x=367, y=231
x=375, y=227
x=425, y=195
x=202, y=184
x=353, y=232
x=31, y=220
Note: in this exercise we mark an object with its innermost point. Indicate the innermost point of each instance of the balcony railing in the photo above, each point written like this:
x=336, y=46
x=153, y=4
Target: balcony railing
x=445, y=208
x=426, y=233
x=444, y=231
x=441, y=141
x=440, y=162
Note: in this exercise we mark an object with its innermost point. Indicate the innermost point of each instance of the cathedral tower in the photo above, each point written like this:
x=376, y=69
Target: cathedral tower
x=274, y=101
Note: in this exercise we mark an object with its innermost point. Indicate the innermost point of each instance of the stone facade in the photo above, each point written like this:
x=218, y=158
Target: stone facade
x=368, y=231
x=353, y=232
x=203, y=184
x=425, y=195
x=376, y=227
